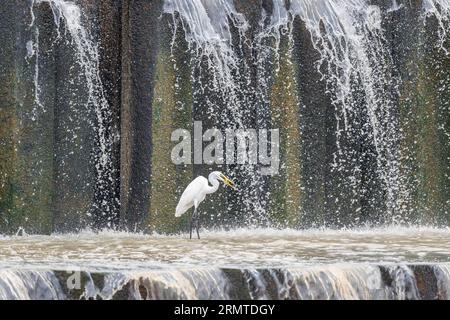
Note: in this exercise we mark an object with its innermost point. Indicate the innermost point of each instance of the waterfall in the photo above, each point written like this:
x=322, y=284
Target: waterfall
x=189, y=284
x=70, y=26
x=29, y=285
x=327, y=282
x=330, y=283
x=357, y=90
x=220, y=72
x=195, y=285
x=92, y=93
x=207, y=30
x=440, y=10
x=356, y=63
x=442, y=273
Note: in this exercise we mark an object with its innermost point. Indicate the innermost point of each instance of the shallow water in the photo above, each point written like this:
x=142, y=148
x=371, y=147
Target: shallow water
x=257, y=248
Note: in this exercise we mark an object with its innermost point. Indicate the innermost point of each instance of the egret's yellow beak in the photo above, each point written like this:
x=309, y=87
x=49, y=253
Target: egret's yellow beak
x=228, y=182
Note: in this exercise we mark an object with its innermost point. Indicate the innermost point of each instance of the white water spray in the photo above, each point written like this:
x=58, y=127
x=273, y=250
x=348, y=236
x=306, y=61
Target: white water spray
x=439, y=9
x=68, y=20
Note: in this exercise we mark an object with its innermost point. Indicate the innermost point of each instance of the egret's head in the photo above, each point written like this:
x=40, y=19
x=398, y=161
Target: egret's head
x=221, y=177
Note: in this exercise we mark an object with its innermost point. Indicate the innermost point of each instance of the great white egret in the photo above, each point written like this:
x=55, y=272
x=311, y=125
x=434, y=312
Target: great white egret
x=196, y=192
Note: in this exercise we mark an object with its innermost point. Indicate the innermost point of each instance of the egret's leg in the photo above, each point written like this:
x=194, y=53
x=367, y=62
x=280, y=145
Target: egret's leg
x=197, y=224
x=190, y=223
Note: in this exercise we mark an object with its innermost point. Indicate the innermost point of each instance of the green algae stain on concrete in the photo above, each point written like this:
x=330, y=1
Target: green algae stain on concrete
x=285, y=187
x=172, y=109
x=8, y=156
x=26, y=153
x=424, y=105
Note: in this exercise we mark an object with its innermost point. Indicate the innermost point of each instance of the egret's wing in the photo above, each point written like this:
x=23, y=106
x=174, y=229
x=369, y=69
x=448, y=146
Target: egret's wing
x=190, y=193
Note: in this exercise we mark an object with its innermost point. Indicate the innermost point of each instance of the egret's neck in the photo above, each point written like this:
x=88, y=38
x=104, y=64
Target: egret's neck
x=215, y=184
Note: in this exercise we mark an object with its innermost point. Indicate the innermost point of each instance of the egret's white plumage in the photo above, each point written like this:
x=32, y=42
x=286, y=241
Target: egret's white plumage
x=193, y=193
x=196, y=192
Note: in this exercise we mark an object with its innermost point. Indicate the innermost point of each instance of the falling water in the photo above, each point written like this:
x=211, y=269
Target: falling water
x=193, y=284
x=235, y=57
x=235, y=62
x=329, y=283
x=442, y=273
x=440, y=9
x=355, y=63
x=244, y=264
x=324, y=283
x=336, y=282
x=68, y=20
x=29, y=285
x=356, y=60
x=207, y=26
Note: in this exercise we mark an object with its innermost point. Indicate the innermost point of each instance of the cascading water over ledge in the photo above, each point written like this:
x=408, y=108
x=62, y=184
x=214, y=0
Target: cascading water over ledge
x=357, y=94
x=344, y=87
x=244, y=264
x=327, y=283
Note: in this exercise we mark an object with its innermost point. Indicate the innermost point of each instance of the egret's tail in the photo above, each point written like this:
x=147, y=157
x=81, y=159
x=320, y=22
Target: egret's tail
x=179, y=211
x=182, y=207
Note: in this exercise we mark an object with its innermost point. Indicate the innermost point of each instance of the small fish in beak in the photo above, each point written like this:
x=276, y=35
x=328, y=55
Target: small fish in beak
x=227, y=181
